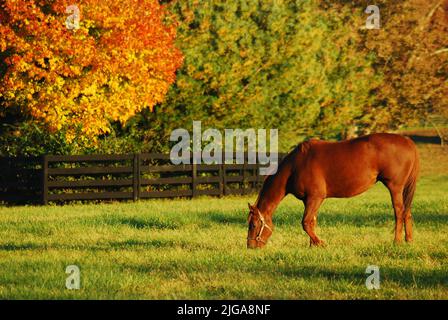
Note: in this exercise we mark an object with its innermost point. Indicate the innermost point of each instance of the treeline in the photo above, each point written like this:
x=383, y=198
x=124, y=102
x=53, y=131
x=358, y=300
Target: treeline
x=306, y=67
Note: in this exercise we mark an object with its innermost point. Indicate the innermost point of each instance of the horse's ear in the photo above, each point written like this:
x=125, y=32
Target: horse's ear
x=250, y=206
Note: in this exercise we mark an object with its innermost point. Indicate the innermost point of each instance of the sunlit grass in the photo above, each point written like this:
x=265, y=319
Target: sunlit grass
x=171, y=249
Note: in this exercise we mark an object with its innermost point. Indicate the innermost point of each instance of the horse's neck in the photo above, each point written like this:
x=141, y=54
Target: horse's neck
x=273, y=191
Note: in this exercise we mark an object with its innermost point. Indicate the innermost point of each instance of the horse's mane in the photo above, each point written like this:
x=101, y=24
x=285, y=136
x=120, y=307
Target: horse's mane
x=304, y=146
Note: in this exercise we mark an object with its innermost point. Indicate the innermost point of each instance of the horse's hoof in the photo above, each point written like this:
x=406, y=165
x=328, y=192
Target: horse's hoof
x=322, y=244
x=318, y=243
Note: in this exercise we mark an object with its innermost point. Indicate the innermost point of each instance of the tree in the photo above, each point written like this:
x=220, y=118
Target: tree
x=121, y=60
x=411, y=54
x=268, y=64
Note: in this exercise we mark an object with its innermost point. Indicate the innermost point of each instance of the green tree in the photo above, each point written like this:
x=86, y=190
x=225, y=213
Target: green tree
x=289, y=64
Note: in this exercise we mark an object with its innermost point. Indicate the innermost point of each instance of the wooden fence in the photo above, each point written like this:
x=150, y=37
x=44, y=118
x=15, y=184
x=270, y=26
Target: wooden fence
x=21, y=180
x=132, y=177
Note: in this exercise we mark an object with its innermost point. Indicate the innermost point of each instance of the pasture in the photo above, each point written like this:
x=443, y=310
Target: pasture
x=196, y=249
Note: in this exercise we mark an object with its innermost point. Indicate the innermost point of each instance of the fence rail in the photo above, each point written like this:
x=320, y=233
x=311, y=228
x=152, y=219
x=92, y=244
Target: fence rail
x=115, y=177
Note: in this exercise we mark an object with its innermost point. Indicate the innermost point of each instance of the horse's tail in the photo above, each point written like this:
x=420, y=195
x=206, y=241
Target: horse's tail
x=411, y=183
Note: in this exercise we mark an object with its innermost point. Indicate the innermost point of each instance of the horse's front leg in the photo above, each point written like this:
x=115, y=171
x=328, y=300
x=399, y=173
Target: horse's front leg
x=397, y=202
x=309, y=221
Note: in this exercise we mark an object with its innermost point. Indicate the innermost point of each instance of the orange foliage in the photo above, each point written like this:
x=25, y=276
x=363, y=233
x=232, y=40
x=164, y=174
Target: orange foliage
x=121, y=60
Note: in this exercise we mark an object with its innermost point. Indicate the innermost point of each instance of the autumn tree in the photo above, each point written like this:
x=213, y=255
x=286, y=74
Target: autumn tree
x=119, y=60
x=411, y=55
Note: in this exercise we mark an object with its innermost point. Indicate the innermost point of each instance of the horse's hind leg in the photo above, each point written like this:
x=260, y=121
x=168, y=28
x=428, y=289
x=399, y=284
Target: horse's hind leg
x=397, y=201
x=309, y=221
x=408, y=225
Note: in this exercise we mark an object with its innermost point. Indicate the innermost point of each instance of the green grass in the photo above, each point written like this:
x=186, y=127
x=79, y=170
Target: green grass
x=173, y=249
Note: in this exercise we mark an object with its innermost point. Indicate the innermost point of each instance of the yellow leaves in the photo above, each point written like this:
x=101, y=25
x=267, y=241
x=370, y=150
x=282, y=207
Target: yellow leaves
x=90, y=91
x=70, y=136
x=59, y=82
x=114, y=85
x=131, y=57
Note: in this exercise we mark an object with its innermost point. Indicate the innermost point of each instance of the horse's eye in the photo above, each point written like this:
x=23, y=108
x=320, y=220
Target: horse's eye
x=251, y=225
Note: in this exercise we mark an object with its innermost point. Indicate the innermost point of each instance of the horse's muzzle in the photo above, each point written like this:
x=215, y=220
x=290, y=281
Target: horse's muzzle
x=254, y=244
x=251, y=244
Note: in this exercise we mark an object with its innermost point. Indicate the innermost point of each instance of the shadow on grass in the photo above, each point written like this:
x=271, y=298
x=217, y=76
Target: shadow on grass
x=23, y=246
x=116, y=245
x=327, y=218
x=156, y=243
x=359, y=219
x=149, y=223
x=399, y=276
x=224, y=218
x=389, y=276
x=137, y=222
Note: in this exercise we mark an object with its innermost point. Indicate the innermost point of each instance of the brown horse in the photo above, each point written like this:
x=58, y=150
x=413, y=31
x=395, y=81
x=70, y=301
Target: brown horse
x=316, y=170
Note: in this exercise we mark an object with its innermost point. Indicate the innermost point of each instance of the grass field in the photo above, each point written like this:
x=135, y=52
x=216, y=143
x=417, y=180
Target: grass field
x=172, y=249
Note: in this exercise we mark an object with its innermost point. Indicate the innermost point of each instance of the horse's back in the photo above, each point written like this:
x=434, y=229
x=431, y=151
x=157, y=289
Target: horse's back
x=376, y=145
x=386, y=140
x=350, y=167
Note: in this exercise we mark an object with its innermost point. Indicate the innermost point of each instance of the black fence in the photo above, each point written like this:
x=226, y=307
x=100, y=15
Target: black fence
x=21, y=180
x=115, y=177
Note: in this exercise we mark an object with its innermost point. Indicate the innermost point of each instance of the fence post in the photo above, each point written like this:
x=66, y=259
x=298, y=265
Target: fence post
x=259, y=178
x=44, y=180
x=136, y=177
x=224, y=179
x=254, y=177
x=221, y=179
x=245, y=163
x=194, y=174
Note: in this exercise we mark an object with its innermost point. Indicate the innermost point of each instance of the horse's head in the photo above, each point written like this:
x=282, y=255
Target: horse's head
x=260, y=228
